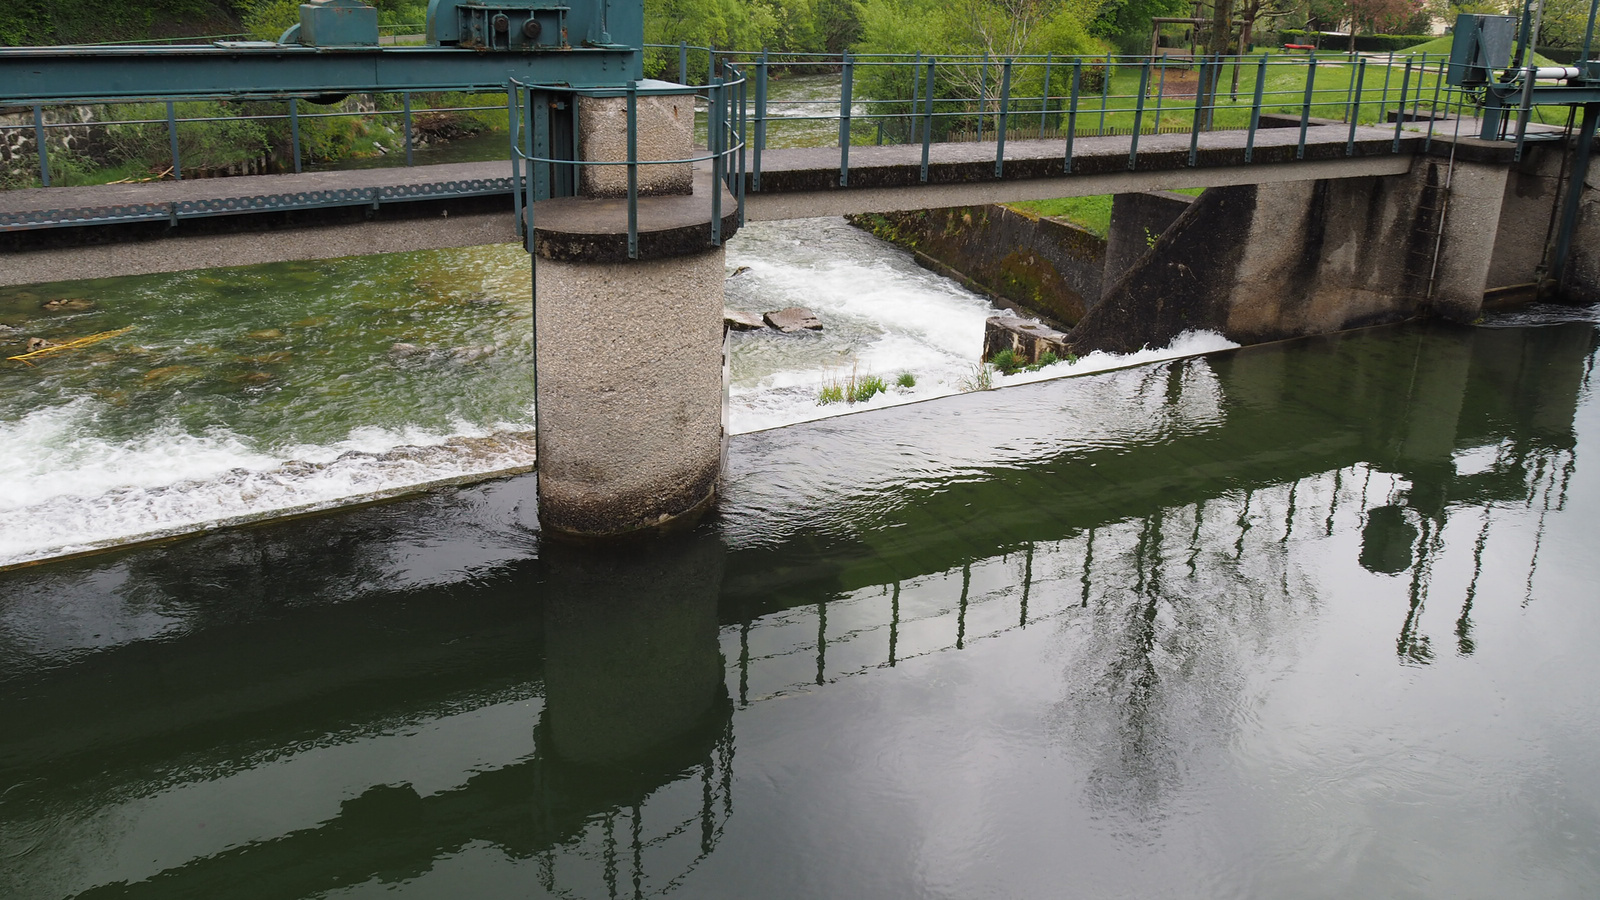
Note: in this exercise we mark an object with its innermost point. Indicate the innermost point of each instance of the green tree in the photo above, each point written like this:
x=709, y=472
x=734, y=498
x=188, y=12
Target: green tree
x=998, y=29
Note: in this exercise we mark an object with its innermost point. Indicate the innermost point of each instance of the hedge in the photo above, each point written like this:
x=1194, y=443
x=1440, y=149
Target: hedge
x=1365, y=43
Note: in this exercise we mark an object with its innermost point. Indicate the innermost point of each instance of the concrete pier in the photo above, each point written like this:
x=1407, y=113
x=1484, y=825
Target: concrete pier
x=630, y=356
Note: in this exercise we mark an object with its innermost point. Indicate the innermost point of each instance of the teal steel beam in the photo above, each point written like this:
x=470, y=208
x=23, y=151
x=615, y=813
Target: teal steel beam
x=58, y=75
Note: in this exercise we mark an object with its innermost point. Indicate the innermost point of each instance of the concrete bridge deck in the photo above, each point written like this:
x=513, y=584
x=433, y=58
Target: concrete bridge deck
x=50, y=234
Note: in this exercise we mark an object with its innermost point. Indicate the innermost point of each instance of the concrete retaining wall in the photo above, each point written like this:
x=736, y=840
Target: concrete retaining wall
x=1039, y=266
x=1268, y=262
x=1137, y=219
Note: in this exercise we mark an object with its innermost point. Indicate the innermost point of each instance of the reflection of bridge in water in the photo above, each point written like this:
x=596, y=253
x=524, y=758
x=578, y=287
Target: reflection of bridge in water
x=577, y=711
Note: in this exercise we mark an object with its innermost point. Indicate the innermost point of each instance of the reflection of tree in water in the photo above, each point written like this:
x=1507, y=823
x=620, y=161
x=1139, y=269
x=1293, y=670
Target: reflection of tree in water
x=1408, y=534
x=1159, y=663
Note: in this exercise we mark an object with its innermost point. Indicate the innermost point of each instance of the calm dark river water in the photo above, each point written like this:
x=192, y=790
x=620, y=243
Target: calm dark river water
x=1305, y=620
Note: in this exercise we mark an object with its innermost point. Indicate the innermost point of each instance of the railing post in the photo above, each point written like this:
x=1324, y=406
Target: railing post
x=1044, y=103
x=294, y=131
x=1433, y=107
x=714, y=117
x=927, y=122
x=1072, y=112
x=1523, y=113
x=1305, y=104
x=1416, y=96
x=39, y=144
x=1255, y=110
x=1388, y=69
x=1355, y=117
x=514, y=126
x=683, y=61
x=1349, y=89
x=983, y=91
x=1199, y=109
x=172, y=138
x=1000, y=130
x=740, y=132
x=405, y=97
x=1105, y=93
x=1400, y=111
x=845, y=78
x=1138, y=117
x=1161, y=91
x=530, y=127
x=916, y=95
x=761, y=120
x=633, y=171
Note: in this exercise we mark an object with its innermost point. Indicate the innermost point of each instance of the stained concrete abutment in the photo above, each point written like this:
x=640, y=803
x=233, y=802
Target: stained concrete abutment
x=1280, y=260
x=630, y=419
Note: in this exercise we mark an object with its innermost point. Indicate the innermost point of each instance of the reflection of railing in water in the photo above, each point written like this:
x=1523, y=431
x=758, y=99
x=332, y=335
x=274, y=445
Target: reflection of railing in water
x=629, y=864
x=888, y=624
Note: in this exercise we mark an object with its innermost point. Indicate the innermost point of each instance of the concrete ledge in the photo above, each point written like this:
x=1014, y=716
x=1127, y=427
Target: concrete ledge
x=817, y=170
x=595, y=230
x=211, y=251
x=765, y=207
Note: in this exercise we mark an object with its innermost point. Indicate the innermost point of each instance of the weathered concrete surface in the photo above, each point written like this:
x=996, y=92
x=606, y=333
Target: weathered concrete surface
x=629, y=427
x=1268, y=262
x=1525, y=215
x=255, y=247
x=766, y=207
x=664, y=130
x=1137, y=219
x=1466, y=247
x=1027, y=339
x=1035, y=265
x=595, y=230
x=1583, y=277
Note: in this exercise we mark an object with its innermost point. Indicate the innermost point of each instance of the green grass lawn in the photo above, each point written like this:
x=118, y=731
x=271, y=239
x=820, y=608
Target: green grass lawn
x=1440, y=47
x=1090, y=213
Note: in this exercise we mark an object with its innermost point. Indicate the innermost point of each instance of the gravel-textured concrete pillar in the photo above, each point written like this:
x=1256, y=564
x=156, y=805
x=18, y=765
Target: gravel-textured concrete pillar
x=629, y=391
x=630, y=356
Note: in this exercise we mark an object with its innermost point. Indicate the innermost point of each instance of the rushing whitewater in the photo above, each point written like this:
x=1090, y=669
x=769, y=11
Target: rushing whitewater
x=250, y=393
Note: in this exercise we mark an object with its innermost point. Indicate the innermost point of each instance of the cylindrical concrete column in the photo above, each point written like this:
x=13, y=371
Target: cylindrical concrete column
x=630, y=356
x=629, y=391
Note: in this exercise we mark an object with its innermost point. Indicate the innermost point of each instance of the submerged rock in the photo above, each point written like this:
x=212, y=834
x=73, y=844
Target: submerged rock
x=39, y=343
x=265, y=334
x=739, y=320
x=70, y=304
x=473, y=354
x=404, y=351
x=792, y=319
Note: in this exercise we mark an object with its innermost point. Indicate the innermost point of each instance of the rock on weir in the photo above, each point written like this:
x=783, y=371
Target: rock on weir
x=630, y=428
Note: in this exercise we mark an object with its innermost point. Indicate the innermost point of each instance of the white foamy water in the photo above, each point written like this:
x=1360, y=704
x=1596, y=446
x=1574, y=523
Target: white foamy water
x=71, y=492
x=882, y=315
x=70, y=486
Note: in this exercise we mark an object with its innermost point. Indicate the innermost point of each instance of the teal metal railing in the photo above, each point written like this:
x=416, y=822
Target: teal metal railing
x=293, y=113
x=540, y=172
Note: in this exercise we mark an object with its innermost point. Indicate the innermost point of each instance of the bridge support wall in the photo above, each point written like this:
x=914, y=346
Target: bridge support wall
x=1273, y=261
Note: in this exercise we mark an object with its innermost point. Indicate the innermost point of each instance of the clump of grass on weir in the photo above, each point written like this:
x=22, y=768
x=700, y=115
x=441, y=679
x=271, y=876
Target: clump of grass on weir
x=855, y=389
